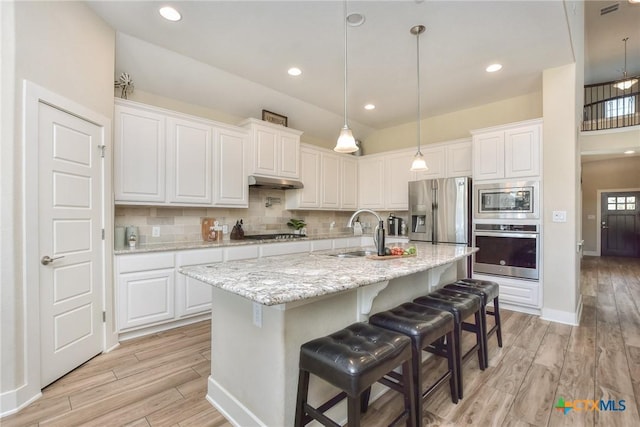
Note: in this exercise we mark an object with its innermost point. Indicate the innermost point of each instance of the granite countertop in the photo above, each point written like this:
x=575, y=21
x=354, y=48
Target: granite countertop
x=176, y=246
x=287, y=278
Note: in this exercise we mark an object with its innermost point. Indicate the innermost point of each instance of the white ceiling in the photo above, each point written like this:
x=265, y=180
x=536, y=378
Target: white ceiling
x=249, y=45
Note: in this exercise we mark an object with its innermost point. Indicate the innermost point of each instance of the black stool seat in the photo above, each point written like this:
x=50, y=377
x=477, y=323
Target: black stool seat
x=491, y=288
x=352, y=359
x=489, y=291
x=426, y=327
x=461, y=305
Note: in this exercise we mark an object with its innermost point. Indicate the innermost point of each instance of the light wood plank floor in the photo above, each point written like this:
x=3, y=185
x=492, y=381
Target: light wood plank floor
x=161, y=380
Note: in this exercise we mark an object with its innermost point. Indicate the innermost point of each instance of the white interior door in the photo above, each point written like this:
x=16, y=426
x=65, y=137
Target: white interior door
x=70, y=235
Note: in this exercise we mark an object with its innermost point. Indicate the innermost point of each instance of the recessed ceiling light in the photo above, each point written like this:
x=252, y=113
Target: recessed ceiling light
x=170, y=14
x=629, y=152
x=294, y=71
x=355, y=19
x=634, y=1
x=369, y=107
x=493, y=68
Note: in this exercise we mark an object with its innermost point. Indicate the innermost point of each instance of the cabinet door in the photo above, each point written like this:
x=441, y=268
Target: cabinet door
x=348, y=183
x=458, y=157
x=396, y=180
x=265, y=151
x=488, y=155
x=435, y=159
x=139, y=160
x=189, y=162
x=371, y=183
x=230, y=174
x=194, y=296
x=330, y=182
x=309, y=196
x=289, y=155
x=522, y=152
x=145, y=297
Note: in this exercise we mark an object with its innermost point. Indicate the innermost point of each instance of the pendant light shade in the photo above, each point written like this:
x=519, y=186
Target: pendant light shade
x=418, y=163
x=625, y=83
x=346, y=142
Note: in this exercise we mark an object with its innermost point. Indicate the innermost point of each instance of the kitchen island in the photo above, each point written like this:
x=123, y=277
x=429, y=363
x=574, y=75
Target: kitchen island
x=264, y=309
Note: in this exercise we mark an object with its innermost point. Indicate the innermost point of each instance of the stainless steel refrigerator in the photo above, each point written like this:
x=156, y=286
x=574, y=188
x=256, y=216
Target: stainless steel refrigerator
x=440, y=210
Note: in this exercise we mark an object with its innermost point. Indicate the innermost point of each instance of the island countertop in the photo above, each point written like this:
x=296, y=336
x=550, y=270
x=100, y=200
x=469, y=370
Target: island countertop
x=288, y=278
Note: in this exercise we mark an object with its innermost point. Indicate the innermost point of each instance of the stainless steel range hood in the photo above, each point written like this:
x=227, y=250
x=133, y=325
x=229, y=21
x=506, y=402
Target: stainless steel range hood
x=274, y=183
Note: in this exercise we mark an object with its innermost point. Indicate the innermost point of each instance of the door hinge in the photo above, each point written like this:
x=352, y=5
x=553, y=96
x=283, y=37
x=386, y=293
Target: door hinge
x=103, y=234
x=104, y=316
x=101, y=148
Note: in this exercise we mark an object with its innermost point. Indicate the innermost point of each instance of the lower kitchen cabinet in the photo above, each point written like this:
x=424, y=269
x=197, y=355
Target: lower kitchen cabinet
x=145, y=289
x=193, y=296
x=516, y=294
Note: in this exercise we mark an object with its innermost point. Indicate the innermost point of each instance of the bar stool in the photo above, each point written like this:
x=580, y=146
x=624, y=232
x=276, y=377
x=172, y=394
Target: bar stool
x=353, y=359
x=488, y=291
x=425, y=326
x=460, y=305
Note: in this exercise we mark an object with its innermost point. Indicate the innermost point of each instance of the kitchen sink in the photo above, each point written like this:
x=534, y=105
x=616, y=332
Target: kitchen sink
x=354, y=254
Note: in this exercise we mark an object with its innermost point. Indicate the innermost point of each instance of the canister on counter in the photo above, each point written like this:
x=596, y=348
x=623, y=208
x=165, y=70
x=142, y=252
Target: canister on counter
x=119, y=238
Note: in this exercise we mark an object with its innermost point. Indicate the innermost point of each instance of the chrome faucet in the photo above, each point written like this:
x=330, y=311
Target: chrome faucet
x=375, y=231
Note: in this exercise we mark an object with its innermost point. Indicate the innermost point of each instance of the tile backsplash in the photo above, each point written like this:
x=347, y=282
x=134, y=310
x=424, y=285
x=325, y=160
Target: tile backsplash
x=182, y=224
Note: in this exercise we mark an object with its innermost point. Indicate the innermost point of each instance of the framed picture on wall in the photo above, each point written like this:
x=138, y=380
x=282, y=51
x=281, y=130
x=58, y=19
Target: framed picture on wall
x=271, y=117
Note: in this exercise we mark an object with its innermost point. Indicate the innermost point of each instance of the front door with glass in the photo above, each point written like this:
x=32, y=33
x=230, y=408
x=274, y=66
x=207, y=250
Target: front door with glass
x=620, y=224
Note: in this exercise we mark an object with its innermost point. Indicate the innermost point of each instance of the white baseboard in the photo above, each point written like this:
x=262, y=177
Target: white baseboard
x=566, y=317
x=230, y=407
x=14, y=400
x=521, y=309
x=136, y=333
x=590, y=253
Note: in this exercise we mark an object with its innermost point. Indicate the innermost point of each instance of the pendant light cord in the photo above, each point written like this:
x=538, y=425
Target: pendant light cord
x=418, y=79
x=624, y=73
x=345, y=64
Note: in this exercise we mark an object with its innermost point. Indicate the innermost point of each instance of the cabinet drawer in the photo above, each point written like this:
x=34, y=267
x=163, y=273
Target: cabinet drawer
x=241, y=252
x=284, y=248
x=199, y=256
x=321, y=245
x=144, y=262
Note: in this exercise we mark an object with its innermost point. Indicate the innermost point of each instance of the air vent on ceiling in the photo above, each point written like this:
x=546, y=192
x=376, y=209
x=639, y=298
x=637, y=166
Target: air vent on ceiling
x=609, y=9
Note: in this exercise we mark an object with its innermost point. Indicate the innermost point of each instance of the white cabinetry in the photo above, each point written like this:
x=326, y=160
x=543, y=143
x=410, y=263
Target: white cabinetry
x=396, y=181
x=371, y=182
x=194, y=296
x=349, y=183
x=167, y=158
x=458, y=155
x=139, y=155
x=274, y=150
x=511, y=151
x=435, y=159
x=330, y=181
x=230, y=179
x=145, y=289
x=189, y=166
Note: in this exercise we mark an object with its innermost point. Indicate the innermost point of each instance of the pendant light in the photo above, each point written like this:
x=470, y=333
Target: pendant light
x=346, y=142
x=418, y=163
x=625, y=83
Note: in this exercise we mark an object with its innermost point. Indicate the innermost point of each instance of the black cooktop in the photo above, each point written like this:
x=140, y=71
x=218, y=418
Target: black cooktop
x=278, y=236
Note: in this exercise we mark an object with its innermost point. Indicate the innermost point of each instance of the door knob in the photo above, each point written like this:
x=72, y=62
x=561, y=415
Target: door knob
x=46, y=260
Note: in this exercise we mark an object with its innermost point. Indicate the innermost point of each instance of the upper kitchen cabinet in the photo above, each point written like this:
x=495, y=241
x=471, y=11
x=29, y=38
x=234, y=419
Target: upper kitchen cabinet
x=458, y=158
x=330, y=181
x=189, y=165
x=139, y=155
x=349, y=183
x=274, y=150
x=510, y=151
x=434, y=157
x=371, y=182
x=396, y=181
x=168, y=158
x=230, y=184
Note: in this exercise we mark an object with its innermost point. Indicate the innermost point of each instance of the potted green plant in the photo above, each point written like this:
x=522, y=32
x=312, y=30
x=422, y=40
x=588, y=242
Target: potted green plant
x=297, y=225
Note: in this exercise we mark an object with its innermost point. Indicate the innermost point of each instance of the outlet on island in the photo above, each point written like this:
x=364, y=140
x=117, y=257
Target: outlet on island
x=155, y=231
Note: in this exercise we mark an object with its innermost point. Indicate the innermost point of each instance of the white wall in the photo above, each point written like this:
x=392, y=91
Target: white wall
x=65, y=48
x=560, y=193
x=455, y=125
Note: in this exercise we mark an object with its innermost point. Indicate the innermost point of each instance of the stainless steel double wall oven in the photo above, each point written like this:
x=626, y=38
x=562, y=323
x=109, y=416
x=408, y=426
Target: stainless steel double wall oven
x=507, y=230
